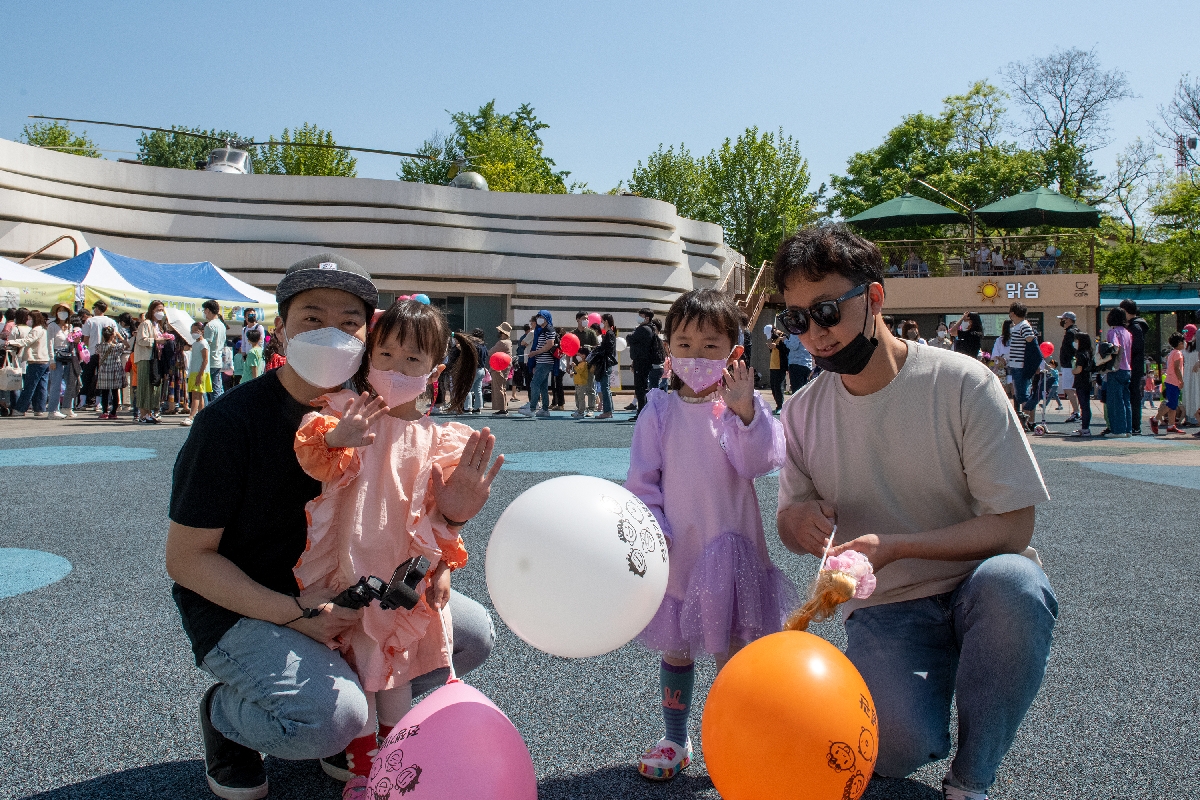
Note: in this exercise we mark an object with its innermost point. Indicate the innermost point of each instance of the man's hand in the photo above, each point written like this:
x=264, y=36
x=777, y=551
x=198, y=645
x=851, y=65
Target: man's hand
x=332, y=622
x=438, y=592
x=878, y=550
x=354, y=428
x=461, y=497
x=806, y=527
x=738, y=391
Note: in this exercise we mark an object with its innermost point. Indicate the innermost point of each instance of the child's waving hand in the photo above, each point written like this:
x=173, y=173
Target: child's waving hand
x=738, y=391
x=354, y=428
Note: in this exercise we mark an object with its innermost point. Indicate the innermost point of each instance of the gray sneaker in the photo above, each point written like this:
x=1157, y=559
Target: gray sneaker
x=524, y=411
x=543, y=413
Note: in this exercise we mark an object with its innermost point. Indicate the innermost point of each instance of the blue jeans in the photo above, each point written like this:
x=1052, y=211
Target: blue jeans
x=217, y=384
x=34, y=389
x=474, y=399
x=1022, y=378
x=63, y=385
x=539, y=388
x=602, y=380
x=1116, y=401
x=292, y=697
x=987, y=642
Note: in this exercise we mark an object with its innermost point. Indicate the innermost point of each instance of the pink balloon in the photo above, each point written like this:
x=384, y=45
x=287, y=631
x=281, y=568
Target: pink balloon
x=593, y=318
x=454, y=744
x=1047, y=349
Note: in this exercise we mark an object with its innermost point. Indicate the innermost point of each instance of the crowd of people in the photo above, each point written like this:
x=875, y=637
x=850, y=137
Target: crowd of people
x=70, y=363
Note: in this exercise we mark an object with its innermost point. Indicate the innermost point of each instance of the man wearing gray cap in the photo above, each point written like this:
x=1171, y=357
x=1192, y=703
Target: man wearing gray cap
x=280, y=689
x=1066, y=361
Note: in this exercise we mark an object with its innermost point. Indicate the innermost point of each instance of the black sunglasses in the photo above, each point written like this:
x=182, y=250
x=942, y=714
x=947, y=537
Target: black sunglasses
x=825, y=313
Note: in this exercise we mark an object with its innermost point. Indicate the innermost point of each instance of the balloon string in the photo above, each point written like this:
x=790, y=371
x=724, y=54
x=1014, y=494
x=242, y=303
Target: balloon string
x=449, y=644
x=828, y=545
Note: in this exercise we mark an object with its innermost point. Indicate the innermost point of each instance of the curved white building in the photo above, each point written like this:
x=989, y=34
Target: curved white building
x=487, y=256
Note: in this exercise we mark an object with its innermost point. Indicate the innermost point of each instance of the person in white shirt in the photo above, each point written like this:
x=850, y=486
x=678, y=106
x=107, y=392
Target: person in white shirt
x=93, y=334
x=962, y=615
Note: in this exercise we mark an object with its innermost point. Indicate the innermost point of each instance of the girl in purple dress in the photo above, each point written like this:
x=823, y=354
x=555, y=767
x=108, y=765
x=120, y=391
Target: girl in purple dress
x=695, y=454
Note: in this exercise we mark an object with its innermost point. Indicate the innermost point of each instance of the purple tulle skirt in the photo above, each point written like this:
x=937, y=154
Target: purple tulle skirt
x=731, y=594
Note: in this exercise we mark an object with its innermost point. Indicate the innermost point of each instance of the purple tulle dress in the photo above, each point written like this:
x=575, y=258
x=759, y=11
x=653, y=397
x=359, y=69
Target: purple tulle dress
x=694, y=465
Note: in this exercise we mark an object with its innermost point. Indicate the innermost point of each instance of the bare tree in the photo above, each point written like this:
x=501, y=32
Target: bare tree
x=1067, y=97
x=1181, y=118
x=1134, y=183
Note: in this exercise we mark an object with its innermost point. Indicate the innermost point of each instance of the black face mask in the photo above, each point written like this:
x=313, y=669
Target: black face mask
x=854, y=357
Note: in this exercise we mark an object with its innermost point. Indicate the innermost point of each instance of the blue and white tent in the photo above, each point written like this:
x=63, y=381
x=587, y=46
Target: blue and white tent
x=129, y=284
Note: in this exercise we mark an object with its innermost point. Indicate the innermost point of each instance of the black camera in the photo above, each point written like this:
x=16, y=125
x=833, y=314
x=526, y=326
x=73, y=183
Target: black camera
x=399, y=592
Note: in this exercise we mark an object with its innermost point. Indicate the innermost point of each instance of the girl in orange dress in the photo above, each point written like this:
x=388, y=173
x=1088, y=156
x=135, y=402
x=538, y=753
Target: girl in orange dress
x=381, y=463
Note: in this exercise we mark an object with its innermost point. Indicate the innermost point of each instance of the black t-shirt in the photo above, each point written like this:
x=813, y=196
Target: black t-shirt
x=238, y=471
x=1066, y=353
x=968, y=342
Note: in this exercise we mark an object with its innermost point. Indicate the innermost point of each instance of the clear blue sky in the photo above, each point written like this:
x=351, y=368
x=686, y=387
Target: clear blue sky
x=612, y=79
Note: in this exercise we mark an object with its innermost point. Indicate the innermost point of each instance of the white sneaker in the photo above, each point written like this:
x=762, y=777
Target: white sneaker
x=58, y=415
x=952, y=792
x=665, y=759
x=16, y=413
x=39, y=413
x=523, y=408
x=543, y=413
x=524, y=411
x=71, y=415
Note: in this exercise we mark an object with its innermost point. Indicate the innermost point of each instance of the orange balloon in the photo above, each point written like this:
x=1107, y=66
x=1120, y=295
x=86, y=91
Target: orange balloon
x=789, y=716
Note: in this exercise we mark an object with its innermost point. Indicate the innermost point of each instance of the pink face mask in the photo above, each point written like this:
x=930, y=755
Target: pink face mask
x=699, y=373
x=396, y=388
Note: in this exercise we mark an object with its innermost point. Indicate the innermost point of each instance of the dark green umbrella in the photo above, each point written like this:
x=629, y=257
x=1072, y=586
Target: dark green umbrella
x=1039, y=207
x=905, y=211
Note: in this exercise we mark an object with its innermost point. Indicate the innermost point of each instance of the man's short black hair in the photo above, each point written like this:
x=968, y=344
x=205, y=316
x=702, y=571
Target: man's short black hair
x=645, y=312
x=212, y=306
x=1018, y=309
x=815, y=252
x=1130, y=307
x=100, y=306
x=581, y=315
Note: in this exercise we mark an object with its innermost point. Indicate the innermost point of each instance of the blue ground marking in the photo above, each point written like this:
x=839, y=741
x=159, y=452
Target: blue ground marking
x=1183, y=477
x=25, y=570
x=610, y=463
x=52, y=456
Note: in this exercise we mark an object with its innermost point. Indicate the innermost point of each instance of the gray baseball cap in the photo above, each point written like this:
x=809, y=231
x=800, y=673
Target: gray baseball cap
x=1067, y=315
x=327, y=271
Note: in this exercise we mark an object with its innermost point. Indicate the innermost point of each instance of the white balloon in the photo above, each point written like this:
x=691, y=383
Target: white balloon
x=767, y=330
x=621, y=345
x=577, y=566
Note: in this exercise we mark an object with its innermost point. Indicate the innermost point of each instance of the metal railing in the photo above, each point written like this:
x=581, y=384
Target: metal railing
x=40, y=250
x=1018, y=255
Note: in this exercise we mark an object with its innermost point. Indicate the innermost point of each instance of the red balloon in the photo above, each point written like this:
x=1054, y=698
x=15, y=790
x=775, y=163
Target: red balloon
x=1047, y=349
x=570, y=344
x=500, y=361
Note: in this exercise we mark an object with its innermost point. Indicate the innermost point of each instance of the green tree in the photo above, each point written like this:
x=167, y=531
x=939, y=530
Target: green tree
x=756, y=188
x=57, y=136
x=673, y=176
x=506, y=149
x=159, y=149
x=1178, y=213
x=279, y=157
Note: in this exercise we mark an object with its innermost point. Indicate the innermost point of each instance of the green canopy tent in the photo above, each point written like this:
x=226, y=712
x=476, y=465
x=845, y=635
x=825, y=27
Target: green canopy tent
x=1039, y=207
x=905, y=211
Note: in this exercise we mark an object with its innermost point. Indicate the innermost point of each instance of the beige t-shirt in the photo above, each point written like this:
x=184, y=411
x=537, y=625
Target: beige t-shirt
x=939, y=445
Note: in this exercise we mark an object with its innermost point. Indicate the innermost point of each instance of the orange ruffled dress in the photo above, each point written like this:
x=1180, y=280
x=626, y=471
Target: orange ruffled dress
x=376, y=510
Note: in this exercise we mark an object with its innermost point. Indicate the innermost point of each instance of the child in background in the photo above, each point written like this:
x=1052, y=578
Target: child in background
x=110, y=370
x=254, y=362
x=237, y=359
x=199, y=382
x=1149, y=387
x=585, y=391
x=693, y=461
x=1172, y=386
x=1050, y=375
x=384, y=468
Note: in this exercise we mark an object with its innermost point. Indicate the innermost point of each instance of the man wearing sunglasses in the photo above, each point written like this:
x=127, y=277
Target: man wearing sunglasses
x=958, y=611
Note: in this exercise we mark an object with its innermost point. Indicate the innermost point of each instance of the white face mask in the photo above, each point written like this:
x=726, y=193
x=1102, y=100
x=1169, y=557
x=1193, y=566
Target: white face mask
x=541, y=321
x=63, y=315
x=326, y=357
x=941, y=334
x=160, y=315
